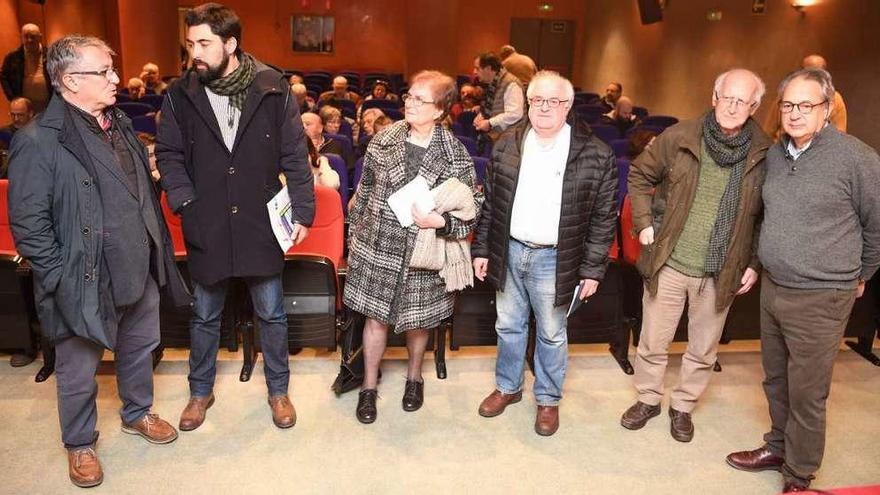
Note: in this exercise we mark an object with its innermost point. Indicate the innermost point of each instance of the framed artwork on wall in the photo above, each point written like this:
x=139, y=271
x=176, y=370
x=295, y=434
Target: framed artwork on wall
x=313, y=33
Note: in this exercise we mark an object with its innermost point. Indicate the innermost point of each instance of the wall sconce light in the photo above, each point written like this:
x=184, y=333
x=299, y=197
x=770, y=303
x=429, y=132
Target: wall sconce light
x=800, y=5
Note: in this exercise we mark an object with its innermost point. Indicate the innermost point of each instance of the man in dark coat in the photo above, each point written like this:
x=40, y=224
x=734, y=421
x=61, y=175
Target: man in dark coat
x=84, y=213
x=544, y=231
x=229, y=128
x=24, y=70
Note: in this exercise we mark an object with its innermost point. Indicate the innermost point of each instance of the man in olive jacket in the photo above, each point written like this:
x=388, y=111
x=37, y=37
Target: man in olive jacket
x=696, y=201
x=546, y=225
x=229, y=127
x=84, y=213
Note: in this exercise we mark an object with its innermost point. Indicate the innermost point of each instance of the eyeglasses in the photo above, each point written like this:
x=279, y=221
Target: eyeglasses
x=537, y=101
x=804, y=107
x=414, y=100
x=108, y=74
x=735, y=102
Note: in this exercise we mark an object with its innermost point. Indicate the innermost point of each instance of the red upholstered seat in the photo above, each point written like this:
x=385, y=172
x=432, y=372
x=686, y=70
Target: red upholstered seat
x=326, y=233
x=630, y=244
x=7, y=244
x=175, y=228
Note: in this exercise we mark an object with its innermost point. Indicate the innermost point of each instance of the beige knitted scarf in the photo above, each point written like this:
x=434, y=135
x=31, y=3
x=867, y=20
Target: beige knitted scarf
x=451, y=257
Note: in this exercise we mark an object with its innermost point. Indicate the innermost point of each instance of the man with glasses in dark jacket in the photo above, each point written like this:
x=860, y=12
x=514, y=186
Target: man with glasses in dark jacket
x=545, y=228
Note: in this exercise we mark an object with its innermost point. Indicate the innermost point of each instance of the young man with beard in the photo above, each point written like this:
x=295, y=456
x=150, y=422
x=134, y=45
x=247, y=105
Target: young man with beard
x=228, y=128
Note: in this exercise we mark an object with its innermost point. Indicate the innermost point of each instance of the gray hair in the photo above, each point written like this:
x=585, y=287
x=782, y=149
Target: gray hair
x=759, y=93
x=549, y=75
x=820, y=76
x=64, y=54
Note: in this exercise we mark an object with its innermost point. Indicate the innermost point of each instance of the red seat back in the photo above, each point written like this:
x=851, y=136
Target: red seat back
x=630, y=244
x=326, y=233
x=7, y=244
x=175, y=228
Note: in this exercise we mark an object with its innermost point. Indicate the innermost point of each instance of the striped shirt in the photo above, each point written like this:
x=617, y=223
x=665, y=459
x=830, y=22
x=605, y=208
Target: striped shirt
x=227, y=117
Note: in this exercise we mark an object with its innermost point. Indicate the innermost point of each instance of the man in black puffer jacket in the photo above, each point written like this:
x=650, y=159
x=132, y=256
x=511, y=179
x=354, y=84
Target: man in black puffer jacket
x=546, y=226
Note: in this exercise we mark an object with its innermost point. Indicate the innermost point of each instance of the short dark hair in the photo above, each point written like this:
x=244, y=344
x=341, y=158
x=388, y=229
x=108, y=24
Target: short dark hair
x=489, y=59
x=619, y=86
x=222, y=20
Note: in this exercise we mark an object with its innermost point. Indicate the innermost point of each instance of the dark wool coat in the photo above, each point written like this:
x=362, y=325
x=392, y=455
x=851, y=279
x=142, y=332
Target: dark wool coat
x=588, y=220
x=380, y=283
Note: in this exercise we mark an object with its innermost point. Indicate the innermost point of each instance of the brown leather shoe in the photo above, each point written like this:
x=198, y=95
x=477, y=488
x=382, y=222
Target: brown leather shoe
x=638, y=415
x=153, y=428
x=680, y=425
x=791, y=486
x=193, y=414
x=496, y=402
x=84, y=468
x=547, y=420
x=283, y=413
x=760, y=459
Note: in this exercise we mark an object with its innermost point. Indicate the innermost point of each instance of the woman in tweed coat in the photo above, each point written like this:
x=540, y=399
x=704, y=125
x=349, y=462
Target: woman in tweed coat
x=380, y=284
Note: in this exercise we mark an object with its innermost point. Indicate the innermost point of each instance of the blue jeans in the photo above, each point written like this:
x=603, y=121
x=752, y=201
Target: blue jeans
x=268, y=301
x=531, y=285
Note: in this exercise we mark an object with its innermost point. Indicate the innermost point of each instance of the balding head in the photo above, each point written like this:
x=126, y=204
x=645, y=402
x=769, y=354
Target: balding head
x=312, y=125
x=506, y=51
x=736, y=96
x=623, y=108
x=21, y=111
x=136, y=88
x=340, y=85
x=150, y=74
x=300, y=92
x=31, y=37
x=814, y=61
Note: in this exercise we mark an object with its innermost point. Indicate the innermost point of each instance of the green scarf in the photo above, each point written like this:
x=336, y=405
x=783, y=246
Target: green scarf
x=236, y=84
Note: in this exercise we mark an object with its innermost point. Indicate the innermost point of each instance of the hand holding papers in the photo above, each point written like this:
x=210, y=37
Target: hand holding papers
x=281, y=218
x=417, y=193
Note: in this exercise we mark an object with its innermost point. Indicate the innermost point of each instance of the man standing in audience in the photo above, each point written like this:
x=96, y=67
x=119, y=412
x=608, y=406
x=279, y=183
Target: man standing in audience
x=228, y=128
x=696, y=198
x=24, y=70
x=153, y=79
x=773, y=124
x=85, y=215
x=503, y=103
x=820, y=242
x=521, y=66
x=544, y=231
x=613, y=92
x=339, y=92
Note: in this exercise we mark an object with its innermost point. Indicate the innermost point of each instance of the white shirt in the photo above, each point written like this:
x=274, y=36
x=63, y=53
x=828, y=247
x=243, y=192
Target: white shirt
x=537, y=203
x=514, y=103
x=224, y=113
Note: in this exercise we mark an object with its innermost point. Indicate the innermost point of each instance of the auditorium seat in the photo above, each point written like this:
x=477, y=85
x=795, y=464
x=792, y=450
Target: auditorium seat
x=589, y=112
x=606, y=133
x=663, y=121
x=154, y=101
x=642, y=127
x=135, y=109
x=623, y=165
x=5, y=137
x=480, y=166
x=144, y=123
x=18, y=320
x=393, y=114
x=466, y=123
x=640, y=112
x=581, y=98
x=380, y=104
x=469, y=144
x=462, y=79
x=337, y=163
x=356, y=176
x=620, y=147
x=345, y=141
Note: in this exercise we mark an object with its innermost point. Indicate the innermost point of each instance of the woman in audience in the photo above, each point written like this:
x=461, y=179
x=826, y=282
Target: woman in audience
x=321, y=170
x=469, y=96
x=380, y=91
x=331, y=117
x=365, y=129
x=386, y=281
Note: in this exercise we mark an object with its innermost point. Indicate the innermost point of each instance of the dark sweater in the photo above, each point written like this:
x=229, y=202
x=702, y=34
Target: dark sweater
x=821, y=213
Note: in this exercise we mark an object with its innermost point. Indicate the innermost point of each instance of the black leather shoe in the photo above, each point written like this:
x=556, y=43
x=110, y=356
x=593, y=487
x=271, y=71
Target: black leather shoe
x=680, y=425
x=413, y=395
x=638, y=415
x=366, y=409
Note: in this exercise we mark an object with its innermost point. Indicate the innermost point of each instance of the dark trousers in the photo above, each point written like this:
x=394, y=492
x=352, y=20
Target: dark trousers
x=77, y=362
x=268, y=301
x=801, y=331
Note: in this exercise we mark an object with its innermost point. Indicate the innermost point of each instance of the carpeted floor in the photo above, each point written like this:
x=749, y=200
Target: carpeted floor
x=443, y=448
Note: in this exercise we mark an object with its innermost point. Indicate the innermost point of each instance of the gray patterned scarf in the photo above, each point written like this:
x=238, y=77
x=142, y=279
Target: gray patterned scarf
x=727, y=151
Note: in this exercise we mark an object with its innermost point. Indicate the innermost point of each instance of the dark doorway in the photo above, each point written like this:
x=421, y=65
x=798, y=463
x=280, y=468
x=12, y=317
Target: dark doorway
x=550, y=42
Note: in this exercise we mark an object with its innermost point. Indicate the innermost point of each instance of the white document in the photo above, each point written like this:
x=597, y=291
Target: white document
x=416, y=192
x=281, y=217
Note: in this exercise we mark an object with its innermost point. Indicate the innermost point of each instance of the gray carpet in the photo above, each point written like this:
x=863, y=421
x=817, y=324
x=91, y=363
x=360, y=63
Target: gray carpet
x=443, y=448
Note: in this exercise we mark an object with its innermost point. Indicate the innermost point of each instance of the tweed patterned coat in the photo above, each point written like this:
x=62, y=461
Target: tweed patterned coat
x=380, y=284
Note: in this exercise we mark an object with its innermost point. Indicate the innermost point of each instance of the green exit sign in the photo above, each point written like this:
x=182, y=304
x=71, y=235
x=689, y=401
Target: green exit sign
x=545, y=7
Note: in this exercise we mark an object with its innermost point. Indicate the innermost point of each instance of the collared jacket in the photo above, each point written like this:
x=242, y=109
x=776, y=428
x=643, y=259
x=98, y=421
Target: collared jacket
x=226, y=223
x=12, y=74
x=57, y=220
x=588, y=219
x=662, y=184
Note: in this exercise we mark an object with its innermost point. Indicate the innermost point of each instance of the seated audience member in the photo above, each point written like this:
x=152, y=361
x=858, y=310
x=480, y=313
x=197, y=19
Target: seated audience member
x=469, y=97
x=638, y=141
x=331, y=117
x=296, y=79
x=622, y=117
x=136, y=89
x=612, y=93
x=152, y=79
x=299, y=91
x=149, y=142
x=381, y=123
x=380, y=92
x=314, y=128
x=365, y=128
x=21, y=111
x=340, y=92
x=321, y=170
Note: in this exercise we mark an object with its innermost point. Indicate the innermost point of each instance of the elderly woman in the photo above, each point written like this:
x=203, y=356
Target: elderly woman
x=382, y=282
x=380, y=92
x=365, y=129
x=331, y=117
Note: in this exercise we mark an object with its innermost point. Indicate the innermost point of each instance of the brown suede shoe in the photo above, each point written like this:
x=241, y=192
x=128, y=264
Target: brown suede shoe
x=547, y=420
x=283, y=413
x=496, y=402
x=153, y=428
x=760, y=459
x=84, y=468
x=193, y=414
x=680, y=425
x=638, y=415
